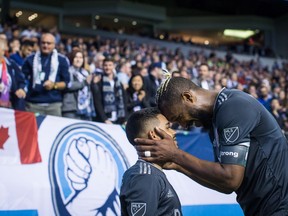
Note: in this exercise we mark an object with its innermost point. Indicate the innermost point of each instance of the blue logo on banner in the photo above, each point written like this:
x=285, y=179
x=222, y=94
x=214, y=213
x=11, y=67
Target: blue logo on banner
x=85, y=169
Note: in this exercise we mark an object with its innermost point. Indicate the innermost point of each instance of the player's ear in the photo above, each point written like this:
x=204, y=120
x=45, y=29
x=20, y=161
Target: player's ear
x=187, y=96
x=152, y=135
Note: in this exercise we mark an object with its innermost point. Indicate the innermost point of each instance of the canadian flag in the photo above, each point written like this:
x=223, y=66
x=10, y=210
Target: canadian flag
x=18, y=137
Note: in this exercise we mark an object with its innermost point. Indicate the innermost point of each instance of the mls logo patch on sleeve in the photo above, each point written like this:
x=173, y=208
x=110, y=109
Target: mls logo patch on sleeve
x=231, y=134
x=138, y=209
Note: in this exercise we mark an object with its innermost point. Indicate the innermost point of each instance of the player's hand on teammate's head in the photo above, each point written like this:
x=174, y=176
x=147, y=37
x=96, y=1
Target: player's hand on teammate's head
x=161, y=151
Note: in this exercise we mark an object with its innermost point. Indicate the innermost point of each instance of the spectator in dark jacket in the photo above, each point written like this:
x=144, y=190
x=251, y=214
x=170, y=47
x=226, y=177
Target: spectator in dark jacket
x=47, y=74
x=25, y=50
x=12, y=82
x=109, y=96
x=152, y=82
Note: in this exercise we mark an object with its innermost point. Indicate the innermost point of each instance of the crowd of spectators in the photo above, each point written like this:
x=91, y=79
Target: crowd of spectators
x=105, y=79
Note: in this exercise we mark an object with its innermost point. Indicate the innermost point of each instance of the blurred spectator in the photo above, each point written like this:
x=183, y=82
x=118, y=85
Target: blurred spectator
x=264, y=97
x=136, y=95
x=176, y=73
x=97, y=64
x=152, y=82
x=3, y=37
x=143, y=71
x=218, y=87
x=232, y=82
x=29, y=33
x=282, y=97
x=184, y=73
x=276, y=89
x=15, y=32
x=12, y=82
x=56, y=34
x=124, y=74
x=204, y=80
x=172, y=66
x=35, y=41
x=217, y=80
x=240, y=87
x=14, y=46
x=68, y=45
x=109, y=96
x=252, y=90
x=77, y=99
x=25, y=50
x=61, y=49
x=75, y=46
x=47, y=74
x=278, y=112
x=224, y=82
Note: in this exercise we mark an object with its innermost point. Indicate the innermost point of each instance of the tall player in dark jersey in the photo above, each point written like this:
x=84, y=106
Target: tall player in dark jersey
x=250, y=149
x=145, y=189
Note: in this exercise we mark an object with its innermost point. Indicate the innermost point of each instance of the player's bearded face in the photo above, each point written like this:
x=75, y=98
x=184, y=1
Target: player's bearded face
x=199, y=118
x=186, y=115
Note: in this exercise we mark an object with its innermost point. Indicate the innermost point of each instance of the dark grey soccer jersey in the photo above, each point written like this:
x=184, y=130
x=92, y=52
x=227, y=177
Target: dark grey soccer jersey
x=145, y=190
x=246, y=134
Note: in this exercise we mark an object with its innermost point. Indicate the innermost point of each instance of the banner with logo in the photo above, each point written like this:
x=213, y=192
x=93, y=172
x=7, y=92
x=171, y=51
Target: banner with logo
x=75, y=167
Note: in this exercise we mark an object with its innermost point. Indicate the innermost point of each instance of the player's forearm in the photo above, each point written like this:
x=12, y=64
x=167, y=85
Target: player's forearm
x=202, y=181
x=206, y=173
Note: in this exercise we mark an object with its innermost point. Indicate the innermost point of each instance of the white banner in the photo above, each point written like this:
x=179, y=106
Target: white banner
x=80, y=173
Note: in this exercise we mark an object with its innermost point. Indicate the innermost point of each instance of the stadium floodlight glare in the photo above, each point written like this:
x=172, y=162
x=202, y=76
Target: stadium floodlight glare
x=19, y=13
x=239, y=33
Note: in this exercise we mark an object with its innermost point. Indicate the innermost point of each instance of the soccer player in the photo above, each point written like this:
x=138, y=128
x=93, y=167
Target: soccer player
x=250, y=149
x=145, y=189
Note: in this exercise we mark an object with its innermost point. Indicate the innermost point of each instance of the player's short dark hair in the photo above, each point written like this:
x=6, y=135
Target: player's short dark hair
x=141, y=122
x=170, y=91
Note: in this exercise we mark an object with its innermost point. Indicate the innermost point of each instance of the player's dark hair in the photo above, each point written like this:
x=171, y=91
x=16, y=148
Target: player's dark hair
x=170, y=91
x=141, y=122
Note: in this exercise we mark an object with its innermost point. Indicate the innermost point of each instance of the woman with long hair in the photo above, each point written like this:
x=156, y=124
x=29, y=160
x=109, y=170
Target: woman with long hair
x=77, y=100
x=136, y=94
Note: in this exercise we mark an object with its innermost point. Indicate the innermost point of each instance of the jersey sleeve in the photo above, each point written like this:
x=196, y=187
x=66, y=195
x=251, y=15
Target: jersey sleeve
x=235, y=121
x=140, y=196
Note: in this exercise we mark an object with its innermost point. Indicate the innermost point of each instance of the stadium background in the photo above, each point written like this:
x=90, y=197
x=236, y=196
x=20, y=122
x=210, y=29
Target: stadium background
x=188, y=25
x=199, y=22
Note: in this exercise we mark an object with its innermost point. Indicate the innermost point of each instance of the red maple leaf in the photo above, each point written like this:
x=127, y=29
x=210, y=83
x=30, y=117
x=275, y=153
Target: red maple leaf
x=3, y=136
